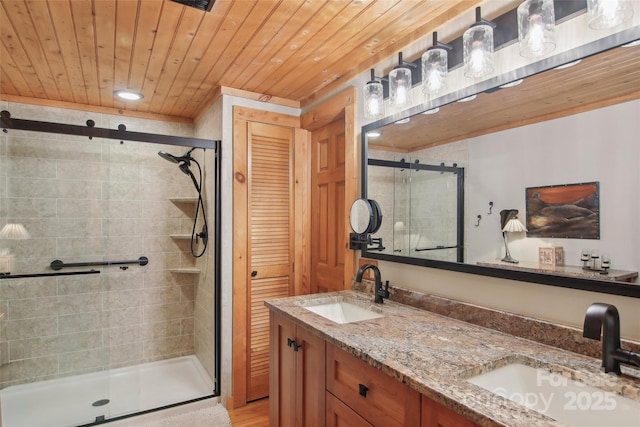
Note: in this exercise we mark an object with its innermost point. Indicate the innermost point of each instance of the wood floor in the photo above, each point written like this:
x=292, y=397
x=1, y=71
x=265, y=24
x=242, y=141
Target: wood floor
x=255, y=414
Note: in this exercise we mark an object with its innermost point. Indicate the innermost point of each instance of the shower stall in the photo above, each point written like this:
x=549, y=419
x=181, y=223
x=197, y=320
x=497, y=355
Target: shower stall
x=109, y=271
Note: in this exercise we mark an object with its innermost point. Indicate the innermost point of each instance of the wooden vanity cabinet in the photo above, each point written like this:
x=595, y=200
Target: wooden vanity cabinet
x=296, y=375
x=314, y=383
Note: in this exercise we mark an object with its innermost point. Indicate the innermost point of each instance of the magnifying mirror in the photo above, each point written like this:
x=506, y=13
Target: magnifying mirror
x=361, y=216
x=365, y=218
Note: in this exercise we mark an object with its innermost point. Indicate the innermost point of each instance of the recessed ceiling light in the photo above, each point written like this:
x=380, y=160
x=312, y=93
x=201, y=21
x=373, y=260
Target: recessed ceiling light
x=432, y=111
x=632, y=44
x=403, y=121
x=128, y=95
x=568, y=64
x=467, y=99
x=512, y=84
x=374, y=134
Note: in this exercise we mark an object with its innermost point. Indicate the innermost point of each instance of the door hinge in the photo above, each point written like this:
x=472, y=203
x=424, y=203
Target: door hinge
x=293, y=267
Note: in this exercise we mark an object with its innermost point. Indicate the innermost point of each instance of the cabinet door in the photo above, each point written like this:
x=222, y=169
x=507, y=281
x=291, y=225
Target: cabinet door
x=436, y=415
x=296, y=383
x=340, y=415
x=282, y=378
x=310, y=380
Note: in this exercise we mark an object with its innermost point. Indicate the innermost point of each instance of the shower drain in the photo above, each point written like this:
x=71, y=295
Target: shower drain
x=100, y=402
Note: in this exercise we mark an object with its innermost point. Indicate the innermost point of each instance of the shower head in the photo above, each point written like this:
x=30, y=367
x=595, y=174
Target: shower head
x=168, y=156
x=186, y=157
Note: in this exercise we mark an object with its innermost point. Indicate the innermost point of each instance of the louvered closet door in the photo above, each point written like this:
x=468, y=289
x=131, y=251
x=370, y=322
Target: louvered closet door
x=270, y=263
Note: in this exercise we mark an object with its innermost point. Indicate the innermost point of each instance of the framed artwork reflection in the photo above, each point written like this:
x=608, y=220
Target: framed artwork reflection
x=564, y=211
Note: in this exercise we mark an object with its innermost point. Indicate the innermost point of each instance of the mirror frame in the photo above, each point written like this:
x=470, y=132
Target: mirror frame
x=607, y=287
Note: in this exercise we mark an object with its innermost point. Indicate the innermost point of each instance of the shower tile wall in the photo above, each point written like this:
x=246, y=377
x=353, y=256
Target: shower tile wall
x=85, y=200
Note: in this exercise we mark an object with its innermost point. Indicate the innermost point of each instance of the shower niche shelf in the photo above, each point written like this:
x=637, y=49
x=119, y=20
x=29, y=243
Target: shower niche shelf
x=184, y=199
x=180, y=236
x=185, y=270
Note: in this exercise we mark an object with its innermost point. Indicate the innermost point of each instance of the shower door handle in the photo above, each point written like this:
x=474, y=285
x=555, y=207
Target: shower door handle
x=254, y=273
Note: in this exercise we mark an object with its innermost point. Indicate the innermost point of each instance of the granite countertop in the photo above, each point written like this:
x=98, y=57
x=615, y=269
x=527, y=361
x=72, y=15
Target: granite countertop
x=434, y=355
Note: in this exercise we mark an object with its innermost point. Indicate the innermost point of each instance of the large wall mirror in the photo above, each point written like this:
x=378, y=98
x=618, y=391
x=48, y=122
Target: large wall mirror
x=558, y=127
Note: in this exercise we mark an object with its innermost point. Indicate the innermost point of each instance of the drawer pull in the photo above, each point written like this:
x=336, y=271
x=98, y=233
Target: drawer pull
x=363, y=389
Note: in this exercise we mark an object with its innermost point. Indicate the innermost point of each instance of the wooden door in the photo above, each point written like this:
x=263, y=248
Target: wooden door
x=328, y=207
x=270, y=251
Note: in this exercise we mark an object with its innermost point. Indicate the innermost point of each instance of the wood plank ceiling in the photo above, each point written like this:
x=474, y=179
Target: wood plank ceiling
x=79, y=51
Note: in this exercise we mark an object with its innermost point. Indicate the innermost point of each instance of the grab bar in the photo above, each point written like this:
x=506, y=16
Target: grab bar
x=58, y=264
x=435, y=248
x=66, y=273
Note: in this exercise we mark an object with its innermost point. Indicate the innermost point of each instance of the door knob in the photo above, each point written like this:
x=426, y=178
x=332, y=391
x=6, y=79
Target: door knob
x=254, y=273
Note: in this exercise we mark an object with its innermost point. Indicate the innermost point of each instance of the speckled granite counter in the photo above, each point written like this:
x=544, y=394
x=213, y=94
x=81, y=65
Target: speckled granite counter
x=435, y=355
x=565, y=270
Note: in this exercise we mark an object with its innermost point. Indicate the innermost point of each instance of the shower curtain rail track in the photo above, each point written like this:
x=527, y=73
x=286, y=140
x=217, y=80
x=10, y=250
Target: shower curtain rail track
x=64, y=273
x=58, y=264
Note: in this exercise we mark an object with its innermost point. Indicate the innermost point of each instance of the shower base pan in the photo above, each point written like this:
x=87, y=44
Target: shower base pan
x=84, y=399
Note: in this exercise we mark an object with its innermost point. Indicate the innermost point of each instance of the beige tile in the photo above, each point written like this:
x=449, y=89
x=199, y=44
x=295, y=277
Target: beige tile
x=71, y=323
x=28, y=288
x=162, y=312
x=152, y=350
x=120, y=300
x=46, y=346
x=29, y=368
x=162, y=329
x=30, y=328
x=84, y=360
x=161, y=295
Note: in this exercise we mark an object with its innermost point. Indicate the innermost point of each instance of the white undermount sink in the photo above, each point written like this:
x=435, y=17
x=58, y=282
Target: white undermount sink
x=568, y=401
x=342, y=312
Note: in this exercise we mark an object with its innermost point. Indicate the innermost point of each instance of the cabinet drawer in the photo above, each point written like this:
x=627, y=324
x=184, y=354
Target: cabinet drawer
x=380, y=399
x=436, y=415
x=339, y=414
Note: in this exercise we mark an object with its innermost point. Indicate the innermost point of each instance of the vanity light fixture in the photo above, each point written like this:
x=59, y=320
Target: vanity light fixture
x=511, y=84
x=468, y=98
x=510, y=223
x=373, y=98
x=477, y=44
x=568, y=65
x=400, y=84
x=128, y=95
x=536, y=28
x=435, y=67
x=606, y=14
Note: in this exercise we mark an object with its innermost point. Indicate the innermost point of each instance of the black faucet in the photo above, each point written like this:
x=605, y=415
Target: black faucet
x=379, y=292
x=604, y=318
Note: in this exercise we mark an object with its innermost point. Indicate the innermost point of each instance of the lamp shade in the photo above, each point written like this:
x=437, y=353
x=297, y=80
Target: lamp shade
x=514, y=226
x=14, y=231
x=373, y=99
x=536, y=28
x=605, y=14
x=400, y=85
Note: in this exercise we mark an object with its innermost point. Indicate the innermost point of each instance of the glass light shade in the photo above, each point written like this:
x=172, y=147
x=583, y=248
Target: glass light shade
x=400, y=87
x=434, y=70
x=478, y=51
x=373, y=100
x=605, y=14
x=536, y=28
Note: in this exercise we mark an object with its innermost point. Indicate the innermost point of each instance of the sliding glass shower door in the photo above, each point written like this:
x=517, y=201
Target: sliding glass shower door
x=104, y=311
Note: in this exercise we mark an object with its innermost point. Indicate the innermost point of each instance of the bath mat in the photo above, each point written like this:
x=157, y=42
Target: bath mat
x=213, y=415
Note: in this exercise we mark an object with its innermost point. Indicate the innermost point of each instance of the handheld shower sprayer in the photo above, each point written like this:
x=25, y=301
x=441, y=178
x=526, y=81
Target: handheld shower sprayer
x=184, y=162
